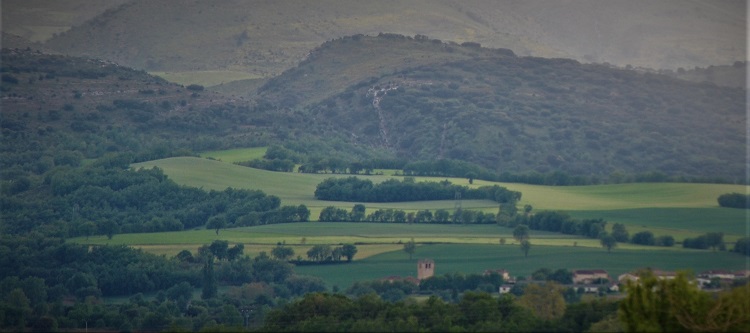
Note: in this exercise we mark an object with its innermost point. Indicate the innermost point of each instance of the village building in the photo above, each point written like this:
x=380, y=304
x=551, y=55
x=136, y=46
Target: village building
x=425, y=268
x=504, y=289
x=717, y=274
x=624, y=278
x=743, y=274
x=633, y=276
x=588, y=276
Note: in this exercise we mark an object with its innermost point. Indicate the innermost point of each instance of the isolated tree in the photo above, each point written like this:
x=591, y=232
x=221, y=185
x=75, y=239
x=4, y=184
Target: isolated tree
x=87, y=229
x=545, y=300
x=349, y=250
x=358, y=213
x=742, y=246
x=210, y=289
x=184, y=256
x=527, y=209
x=17, y=309
x=217, y=223
x=109, y=228
x=665, y=240
x=219, y=248
x=525, y=247
x=608, y=241
x=410, y=247
x=282, y=252
x=319, y=252
x=337, y=253
x=235, y=251
x=521, y=232
x=620, y=233
x=303, y=213
x=502, y=240
x=471, y=175
x=714, y=239
x=643, y=238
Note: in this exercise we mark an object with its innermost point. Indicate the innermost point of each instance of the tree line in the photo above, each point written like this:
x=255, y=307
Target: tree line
x=394, y=190
x=389, y=215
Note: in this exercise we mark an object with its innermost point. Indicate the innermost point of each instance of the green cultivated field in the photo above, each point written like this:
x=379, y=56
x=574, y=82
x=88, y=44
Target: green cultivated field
x=677, y=209
x=471, y=258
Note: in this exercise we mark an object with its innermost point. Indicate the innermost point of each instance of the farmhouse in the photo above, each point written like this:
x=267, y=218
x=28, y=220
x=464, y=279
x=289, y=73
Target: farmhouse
x=624, y=278
x=717, y=274
x=583, y=276
x=669, y=275
x=504, y=289
x=633, y=276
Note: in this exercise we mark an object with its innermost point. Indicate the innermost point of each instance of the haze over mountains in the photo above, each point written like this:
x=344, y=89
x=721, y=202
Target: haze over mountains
x=266, y=37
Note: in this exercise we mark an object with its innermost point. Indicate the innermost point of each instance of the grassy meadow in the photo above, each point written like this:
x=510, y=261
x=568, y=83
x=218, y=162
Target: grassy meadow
x=678, y=209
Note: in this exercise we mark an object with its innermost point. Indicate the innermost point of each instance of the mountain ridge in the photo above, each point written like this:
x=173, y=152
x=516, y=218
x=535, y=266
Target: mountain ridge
x=266, y=38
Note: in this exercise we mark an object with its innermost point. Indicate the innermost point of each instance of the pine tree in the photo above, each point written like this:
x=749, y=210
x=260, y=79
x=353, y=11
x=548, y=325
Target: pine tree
x=209, y=279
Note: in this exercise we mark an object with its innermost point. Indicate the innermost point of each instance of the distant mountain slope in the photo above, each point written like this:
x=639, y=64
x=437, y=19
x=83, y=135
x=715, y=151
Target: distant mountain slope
x=524, y=114
x=267, y=37
x=40, y=20
x=54, y=103
x=339, y=64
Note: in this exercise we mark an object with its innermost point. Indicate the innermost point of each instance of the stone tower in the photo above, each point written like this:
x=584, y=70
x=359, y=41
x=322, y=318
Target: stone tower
x=425, y=268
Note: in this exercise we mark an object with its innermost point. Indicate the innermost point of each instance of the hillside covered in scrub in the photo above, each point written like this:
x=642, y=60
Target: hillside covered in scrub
x=354, y=100
x=517, y=114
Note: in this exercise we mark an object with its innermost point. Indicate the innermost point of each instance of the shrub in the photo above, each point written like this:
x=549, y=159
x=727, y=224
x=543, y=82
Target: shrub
x=665, y=241
x=734, y=200
x=643, y=238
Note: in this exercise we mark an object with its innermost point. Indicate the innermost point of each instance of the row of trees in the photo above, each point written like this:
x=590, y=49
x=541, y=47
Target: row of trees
x=325, y=253
x=393, y=190
x=592, y=228
x=440, y=216
x=713, y=240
